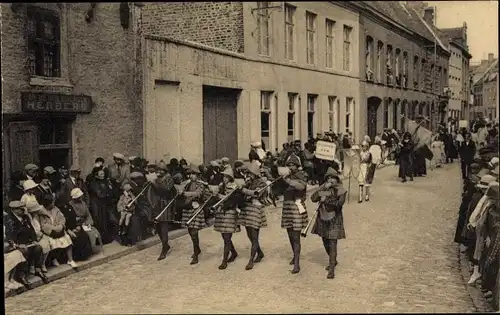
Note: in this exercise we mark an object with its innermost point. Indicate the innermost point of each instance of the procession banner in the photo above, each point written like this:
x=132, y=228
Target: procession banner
x=421, y=135
x=463, y=124
x=352, y=161
x=325, y=150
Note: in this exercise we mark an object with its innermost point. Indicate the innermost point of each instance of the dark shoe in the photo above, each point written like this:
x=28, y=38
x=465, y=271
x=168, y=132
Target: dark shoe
x=197, y=252
x=25, y=282
x=232, y=256
x=331, y=273
x=249, y=266
x=194, y=261
x=360, y=201
x=403, y=180
x=42, y=276
x=259, y=257
x=296, y=269
x=164, y=252
x=223, y=265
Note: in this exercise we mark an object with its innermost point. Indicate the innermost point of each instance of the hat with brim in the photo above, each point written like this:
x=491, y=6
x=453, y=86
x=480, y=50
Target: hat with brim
x=16, y=204
x=293, y=159
x=31, y=167
x=225, y=160
x=485, y=181
x=256, y=144
x=118, y=156
x=161, y=166
x=214, y=164
x=76, y=193
x=29, y=184
x=75, y=168
x=136, y=175
x=193, y=169
x=34, y=207
x=49, y=170
x=493, y=191
x=131, y=158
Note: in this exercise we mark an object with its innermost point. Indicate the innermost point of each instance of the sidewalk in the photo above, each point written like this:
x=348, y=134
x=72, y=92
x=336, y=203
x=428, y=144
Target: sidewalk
x=110, y=252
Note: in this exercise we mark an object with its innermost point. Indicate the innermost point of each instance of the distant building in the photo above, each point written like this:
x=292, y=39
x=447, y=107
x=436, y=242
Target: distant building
x=219, y=75
x=486, y=93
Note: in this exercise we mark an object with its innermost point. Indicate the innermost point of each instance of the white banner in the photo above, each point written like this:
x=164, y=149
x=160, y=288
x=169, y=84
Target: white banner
x=325, y=150
x=463, y=124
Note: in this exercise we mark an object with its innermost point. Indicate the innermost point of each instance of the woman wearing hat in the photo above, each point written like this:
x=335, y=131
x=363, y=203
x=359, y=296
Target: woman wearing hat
x=253, y=215
x=294, y=215
x=365, y=177
x=53, y=226
x=406, y=157
x=43, y=188
x=476, y=223
x=194, y=196
x=79, y=225
x=226, y=217
x=330, y=222
x=29, y=197
x=101, y=204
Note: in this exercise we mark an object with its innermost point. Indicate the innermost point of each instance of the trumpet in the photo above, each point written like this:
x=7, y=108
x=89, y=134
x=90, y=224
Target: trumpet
x=311, y=222
x=138, y=195
x=199, y=210
x=270, y=184
x=220, y=202
x=166, y=207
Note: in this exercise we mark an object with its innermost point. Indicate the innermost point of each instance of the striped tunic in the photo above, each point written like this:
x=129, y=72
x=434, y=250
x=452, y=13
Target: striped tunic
x=226, y=216
x=195, y=191
x=291, y=218
x=333, y=229
x=253, y=213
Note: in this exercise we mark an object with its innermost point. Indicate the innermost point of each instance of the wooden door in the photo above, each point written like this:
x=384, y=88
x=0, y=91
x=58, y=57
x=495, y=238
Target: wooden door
x=23, y=144
x=373, y=105
x=220, y=131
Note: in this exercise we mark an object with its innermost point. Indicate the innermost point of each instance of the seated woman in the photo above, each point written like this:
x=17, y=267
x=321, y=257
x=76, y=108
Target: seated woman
x=21, y=234
x=53, y=225
x=12, y=258
x=80, y=226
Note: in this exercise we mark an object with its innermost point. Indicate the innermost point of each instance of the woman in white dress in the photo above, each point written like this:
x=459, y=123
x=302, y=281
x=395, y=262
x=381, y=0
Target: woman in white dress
x=365, y=177
x=437, y=148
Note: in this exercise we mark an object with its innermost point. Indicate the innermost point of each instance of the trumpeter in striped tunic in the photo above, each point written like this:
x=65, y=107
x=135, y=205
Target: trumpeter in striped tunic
x=253, y=215
x=226, y=216
x=329, y=223
x=294, y=216
x=194, y=196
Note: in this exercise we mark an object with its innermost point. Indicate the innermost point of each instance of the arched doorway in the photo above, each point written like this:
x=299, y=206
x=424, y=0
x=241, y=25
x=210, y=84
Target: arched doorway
x=404, y=114
x=395, y=120
x=373, y=105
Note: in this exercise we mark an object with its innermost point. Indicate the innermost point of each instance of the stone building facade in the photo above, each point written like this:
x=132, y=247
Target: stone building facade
x=404, y=64
x=269, y=71
x=69, y=86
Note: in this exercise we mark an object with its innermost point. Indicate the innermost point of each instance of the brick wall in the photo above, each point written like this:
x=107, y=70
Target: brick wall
x=216, y=24
x=98, y=59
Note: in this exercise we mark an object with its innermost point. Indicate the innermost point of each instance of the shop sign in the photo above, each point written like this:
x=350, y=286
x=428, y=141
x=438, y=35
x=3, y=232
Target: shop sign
x=55, y=103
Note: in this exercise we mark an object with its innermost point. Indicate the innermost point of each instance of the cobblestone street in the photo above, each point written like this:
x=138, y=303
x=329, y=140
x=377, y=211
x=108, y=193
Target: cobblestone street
x=399, y=256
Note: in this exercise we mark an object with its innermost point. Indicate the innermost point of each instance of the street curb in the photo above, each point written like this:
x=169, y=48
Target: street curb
x=480, y=303
x=64, y=270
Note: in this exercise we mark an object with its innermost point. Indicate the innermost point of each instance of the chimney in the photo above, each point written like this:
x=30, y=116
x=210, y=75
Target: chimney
x=490, y=57
x=429, y=15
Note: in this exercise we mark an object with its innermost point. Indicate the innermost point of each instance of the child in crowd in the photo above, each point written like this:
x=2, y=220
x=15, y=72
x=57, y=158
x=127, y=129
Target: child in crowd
x=125, y=212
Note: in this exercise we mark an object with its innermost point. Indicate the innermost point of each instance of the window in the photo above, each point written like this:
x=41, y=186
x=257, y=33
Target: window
x=43, y=30
x=386, y=114
x=395, y=106
x=347, y=48
x=432, y=80
x=263, y=28
x=289, y=31
x=311, y=106
x=311, y=37
x=330, y=39
x=369, y=58
x=422, y=74
x=380, y=62
x=389, y=65
x=348, y=103
x=332, y=102
x=397, y=65
x=265, y=116
x=416, y=74
x=55, y=142
x=403, y=113
x=292, y=100
x=404, y=79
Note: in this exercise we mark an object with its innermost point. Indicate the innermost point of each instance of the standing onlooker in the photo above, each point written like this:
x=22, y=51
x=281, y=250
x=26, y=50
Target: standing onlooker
x=406, y=157
x=73, y=181
x=119, y=172
x=33, y=172
x=467, y=152
x=99, y=163
x=16, y=190
x=101, y=205
x=43, y=188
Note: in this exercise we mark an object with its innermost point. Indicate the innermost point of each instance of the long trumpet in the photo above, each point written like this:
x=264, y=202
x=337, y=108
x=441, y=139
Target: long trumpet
x=265, y=187
x=311, y=222
x=167, y=206
x=199, y=210
x=215, y=206
x=138, y=195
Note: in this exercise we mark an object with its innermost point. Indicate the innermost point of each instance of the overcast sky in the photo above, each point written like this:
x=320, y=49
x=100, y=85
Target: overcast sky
x=482, y=23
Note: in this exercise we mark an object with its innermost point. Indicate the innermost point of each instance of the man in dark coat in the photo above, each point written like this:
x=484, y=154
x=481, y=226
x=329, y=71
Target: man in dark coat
x=467, y=152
